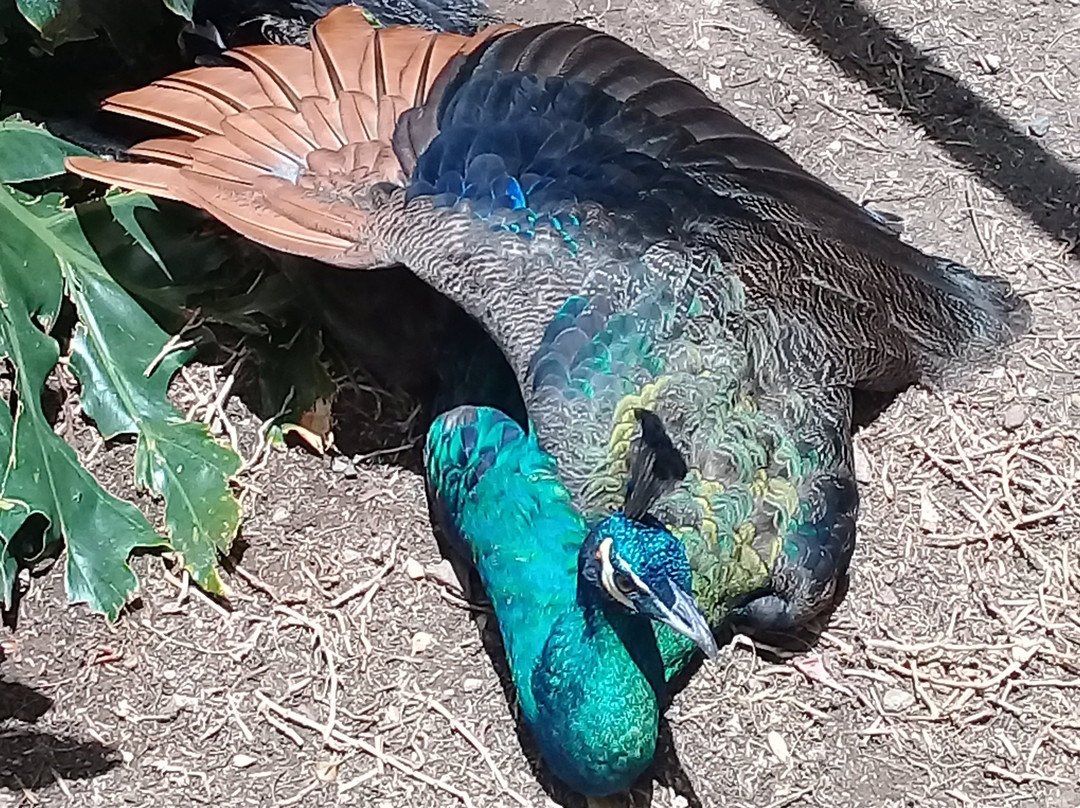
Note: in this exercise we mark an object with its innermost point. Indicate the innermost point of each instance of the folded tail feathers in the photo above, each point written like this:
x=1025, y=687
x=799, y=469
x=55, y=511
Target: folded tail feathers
x=326, y=114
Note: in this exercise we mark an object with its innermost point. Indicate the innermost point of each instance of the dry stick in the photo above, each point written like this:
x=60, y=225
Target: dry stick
x=256, y=582
x=984, y=684
x=789, y=799
x=282, y=727
x=975, y=226
x=217, y=409
x=185, y=587
x=298, y=796
x=363, y=587
x=464, y=732
x=348, y=742
x=331, y=668
x=174, y=343
x=1024, y=777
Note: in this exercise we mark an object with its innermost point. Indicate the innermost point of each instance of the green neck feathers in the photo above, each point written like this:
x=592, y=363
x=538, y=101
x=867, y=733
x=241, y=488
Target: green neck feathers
x=589, y=675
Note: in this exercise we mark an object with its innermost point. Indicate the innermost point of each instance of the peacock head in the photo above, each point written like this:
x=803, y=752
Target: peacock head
x=632, y=559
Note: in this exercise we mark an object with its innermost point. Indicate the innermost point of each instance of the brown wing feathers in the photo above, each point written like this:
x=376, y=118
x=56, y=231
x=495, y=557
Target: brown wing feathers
x=249, y=134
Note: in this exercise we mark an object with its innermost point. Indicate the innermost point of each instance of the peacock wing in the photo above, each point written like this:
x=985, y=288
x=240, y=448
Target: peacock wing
x=892, y=314
x=281, y=146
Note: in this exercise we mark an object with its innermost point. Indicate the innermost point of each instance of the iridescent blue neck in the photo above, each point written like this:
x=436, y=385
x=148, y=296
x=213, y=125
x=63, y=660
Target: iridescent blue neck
x=588, y=674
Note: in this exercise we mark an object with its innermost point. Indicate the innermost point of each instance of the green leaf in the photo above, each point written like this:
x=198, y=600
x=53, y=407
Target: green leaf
x=16, y=513
x=181, y=8
x=116, y=343
x=58, y=21
x=29, y=152
x=42, y=474
x=39, y=13
x=124, y=362
x=181, y=268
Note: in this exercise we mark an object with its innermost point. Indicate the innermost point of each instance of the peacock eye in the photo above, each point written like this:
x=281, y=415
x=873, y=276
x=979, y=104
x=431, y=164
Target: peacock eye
x=624, y=583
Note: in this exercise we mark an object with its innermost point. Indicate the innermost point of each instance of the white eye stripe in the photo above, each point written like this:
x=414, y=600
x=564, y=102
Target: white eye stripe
x=607, y=575
x=640, y=584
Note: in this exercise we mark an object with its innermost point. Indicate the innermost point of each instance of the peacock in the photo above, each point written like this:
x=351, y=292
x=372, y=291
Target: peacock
x=685, y=309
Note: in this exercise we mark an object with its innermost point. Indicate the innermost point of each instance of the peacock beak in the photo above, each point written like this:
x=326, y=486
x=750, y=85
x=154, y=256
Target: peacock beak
x=679, y=611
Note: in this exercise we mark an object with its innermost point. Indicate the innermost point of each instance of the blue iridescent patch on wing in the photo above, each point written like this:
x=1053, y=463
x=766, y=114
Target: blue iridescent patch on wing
x=526, y=152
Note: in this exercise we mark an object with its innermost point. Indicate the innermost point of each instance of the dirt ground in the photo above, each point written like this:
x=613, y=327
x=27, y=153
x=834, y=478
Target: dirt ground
x=349, y=669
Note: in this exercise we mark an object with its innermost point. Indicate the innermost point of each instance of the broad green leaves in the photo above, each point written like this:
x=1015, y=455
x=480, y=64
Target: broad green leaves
x=181, y=8
x=28, y=152
x=41, y=474
x=57, y=21
x=60, y=21
x=117, y=355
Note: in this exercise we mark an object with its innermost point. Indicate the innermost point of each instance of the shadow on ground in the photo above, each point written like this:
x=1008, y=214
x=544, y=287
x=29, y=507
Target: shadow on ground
x=958, y=119
x=32, y=758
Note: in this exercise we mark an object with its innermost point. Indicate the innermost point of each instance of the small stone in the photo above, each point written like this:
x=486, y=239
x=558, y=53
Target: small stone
x=989, y=62
x=897, y=700
x=339, y=464
x=835, y=146
x=887, y=596
x=715, y=82
x=242, y=761
x=326, y=770
x=421, y=641
x=1040, y=125
x=780, y=132
x=185, y=702
x=929, y=517
x=1014, y=416
x=414, y=569
x=279, y=515
x=864, y=469
x=704, y=43
x=471, y=685
x=444, y=573
x=778, y=746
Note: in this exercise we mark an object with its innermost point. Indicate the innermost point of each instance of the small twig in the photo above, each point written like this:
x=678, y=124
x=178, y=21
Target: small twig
x=975, y=226
x=1024, y=777
x=790, y=798
x=362, y=587
x=283, y=728
x=183, y=584
x=984, y=684
x=257, y=583
x=473, y=741
x=299, y=796
x=348, y=742
x=331, y=667
x=853, y=121
x=175, y=343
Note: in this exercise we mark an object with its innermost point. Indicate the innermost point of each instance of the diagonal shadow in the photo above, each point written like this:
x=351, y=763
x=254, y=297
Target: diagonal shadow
x=31, y=758
x=958, y=119
x=22, y=703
